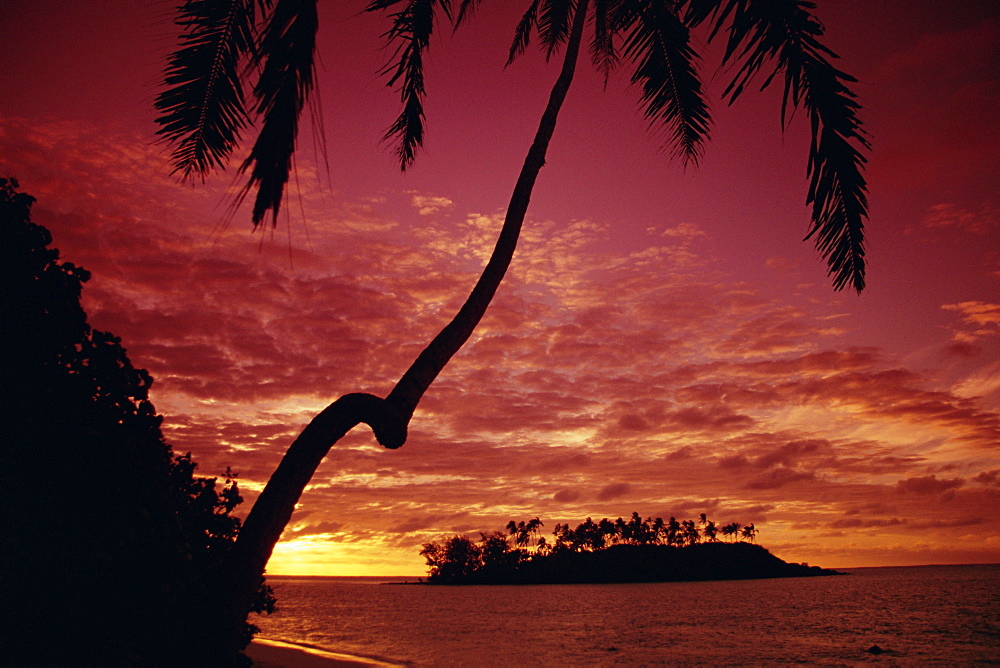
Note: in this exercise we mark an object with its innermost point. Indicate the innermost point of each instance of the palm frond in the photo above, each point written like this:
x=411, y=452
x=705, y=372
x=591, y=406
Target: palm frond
x=412, y=27
x=659, y=44
x=553, y=24
x=837, y=187
x=696, y=12
x=786, y=33
x=466, y=10
x=202, y=109
x=602, y=49
x=286, y=79
x=522, y=34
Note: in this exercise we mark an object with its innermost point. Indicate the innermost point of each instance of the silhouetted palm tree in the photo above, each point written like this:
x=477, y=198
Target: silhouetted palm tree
x=636, y=529
x=512, y=531
x=673, y=532
x=565, y=538
x=521, y=535
x=689, y=532
x=531, y=527
x=749, y=532
x=609, y=533
x=588, y=535
x=621, y=530
x=731, y=530
x=204, y=109
x=658, y=530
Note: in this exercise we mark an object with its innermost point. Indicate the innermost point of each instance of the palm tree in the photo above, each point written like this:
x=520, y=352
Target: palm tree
x=731, y=530
x=204, y=110
x=532, y=528
x=621, y=531
x=673, y=532
x=523, y=535
x=565, y=538
x=689, y=532
x=749, y=532
x=588, y=535
x=609, y=534
x=512, y=531
x=658, y=529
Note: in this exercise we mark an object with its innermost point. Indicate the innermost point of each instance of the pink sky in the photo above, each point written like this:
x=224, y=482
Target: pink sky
x=664, y=343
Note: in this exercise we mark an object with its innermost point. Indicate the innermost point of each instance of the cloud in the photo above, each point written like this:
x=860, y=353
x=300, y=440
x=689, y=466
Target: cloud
x=614, y=490
x=858, y=523
x=427, y=205
x=682, y=231
x=317, y=529
x=978, y=320
x=566, y=496
x=951, y=216
x=988, y=478
x=599, y=382
x=926, y=485
x=778, y=477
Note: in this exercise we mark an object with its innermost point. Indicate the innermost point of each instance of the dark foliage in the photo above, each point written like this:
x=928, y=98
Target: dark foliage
x=110, y=542
x=203, y=108
x=633, y=550
x=286, y=78
x=656, y=563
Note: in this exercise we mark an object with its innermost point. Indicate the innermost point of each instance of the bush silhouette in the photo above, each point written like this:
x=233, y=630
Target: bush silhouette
x=110, y=542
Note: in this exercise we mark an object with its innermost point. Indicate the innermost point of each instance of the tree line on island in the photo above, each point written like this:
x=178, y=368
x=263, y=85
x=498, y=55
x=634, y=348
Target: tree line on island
x=632, y=550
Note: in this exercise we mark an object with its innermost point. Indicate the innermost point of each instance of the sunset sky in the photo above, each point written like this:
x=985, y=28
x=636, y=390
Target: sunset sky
x=665, y=342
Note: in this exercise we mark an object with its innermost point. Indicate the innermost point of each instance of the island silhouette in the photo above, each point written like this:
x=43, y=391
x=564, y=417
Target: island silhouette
x=609, y=551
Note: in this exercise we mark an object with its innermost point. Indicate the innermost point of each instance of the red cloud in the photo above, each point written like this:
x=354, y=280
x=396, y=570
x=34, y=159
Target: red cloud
x=615, y=490
x=650, y=366
x=928, y=485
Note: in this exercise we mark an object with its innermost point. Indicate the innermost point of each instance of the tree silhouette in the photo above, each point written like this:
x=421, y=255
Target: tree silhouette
x=512, y=531
x=608, y=532
x=731, y=530
x=690, y=532
x=111, y=544
x=532, y=527
x=204, y=109
x=673, y=531
x=457, y=559
x=585, y=555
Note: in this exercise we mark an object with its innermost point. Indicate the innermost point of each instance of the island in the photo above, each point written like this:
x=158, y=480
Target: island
x=609, y=551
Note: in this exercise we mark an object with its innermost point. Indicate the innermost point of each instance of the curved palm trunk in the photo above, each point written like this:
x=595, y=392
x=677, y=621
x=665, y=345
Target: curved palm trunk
x=387, y=417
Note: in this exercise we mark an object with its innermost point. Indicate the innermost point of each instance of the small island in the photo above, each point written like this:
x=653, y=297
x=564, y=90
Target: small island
x=609, y=551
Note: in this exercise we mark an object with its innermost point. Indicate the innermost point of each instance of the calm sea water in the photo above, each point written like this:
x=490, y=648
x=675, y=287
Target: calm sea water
x=927, y=615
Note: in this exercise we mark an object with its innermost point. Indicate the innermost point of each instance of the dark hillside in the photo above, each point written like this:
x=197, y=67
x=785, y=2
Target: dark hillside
x=661, y=563
x=632, y=550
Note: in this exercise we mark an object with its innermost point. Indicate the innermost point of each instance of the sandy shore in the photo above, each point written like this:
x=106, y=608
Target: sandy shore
x=276, y=654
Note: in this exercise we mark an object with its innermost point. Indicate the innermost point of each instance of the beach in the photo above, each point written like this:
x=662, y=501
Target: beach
x=276, y=654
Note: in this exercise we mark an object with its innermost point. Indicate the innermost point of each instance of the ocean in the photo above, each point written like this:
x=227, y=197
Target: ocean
x=921, y=616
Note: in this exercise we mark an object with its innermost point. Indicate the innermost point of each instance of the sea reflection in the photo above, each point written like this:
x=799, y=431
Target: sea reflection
x=924, y=615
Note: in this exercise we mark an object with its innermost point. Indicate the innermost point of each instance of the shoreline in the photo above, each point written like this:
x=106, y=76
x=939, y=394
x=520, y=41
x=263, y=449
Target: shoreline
x=267, y=653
